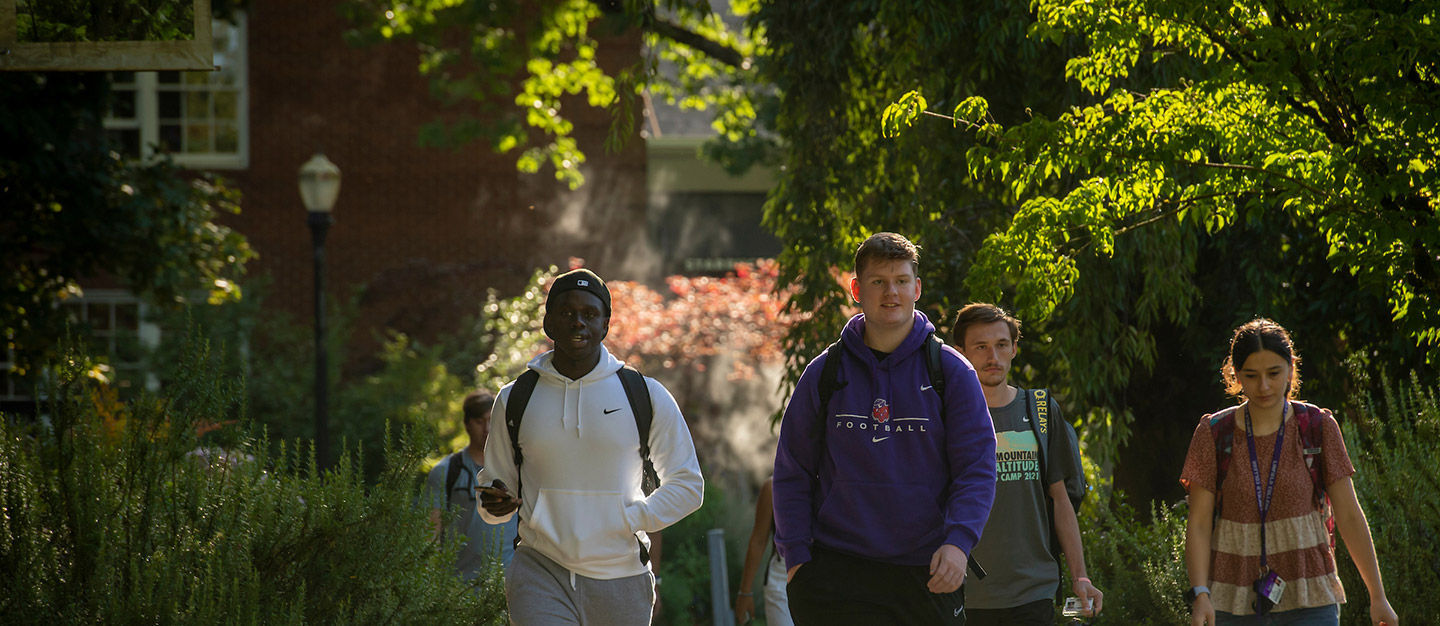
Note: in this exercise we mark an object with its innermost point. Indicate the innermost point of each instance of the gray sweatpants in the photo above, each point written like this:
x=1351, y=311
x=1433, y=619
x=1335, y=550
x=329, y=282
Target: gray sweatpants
x=542, y=593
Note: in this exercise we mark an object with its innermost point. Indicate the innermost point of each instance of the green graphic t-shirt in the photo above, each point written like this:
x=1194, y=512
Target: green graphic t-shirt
x=1013, y=549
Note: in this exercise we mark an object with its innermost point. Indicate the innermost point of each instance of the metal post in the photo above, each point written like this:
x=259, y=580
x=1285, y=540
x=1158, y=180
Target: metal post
x=319, y=227
x=721, y=612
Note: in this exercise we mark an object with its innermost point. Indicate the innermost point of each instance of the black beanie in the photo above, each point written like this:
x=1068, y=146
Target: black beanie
x=584, y=280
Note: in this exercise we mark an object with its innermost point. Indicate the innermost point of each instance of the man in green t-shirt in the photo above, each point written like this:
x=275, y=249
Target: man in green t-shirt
x=1015, y=546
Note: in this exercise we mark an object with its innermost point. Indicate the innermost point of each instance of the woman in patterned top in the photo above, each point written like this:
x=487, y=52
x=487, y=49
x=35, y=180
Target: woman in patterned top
x=1270, y=533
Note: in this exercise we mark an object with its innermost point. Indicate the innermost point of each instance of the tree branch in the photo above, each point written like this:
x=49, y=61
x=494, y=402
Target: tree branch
x=673, y=31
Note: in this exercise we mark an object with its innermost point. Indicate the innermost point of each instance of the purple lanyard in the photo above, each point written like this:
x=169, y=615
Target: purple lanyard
x=1262, y=502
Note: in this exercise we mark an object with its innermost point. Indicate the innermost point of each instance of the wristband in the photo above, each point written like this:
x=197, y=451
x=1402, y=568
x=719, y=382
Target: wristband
x=745, y=593
x=1082, y=579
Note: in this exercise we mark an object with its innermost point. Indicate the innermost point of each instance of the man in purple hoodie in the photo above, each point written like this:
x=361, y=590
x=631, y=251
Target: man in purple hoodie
x=881, y=493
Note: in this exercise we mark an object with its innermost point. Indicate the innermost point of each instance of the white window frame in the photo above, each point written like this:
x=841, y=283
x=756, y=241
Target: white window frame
x=147, y=108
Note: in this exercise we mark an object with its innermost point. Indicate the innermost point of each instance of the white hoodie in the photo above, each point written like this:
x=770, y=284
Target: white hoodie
x=582, y=504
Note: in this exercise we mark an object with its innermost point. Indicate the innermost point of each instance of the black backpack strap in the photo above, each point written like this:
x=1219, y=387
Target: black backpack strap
x=638, y=393
x=933, y=345
x=1040, y=424
x=515, y=405
x=829, y=384
x=830, y=376
x=1043, y=429
x=452, y=473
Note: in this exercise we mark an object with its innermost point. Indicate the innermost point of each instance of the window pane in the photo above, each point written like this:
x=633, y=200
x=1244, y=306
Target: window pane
x=122, y=78
x=127, y=316
x=169, y=78
x=126, y=140
x=197, y=138
x=99, y=315
x=127, y=349
x=228, y=75
x=227, y=138
x=170, y=138
x=169, y=105
x=197, y=105
x=122, y=104
x=197, y=78
x=226, y=105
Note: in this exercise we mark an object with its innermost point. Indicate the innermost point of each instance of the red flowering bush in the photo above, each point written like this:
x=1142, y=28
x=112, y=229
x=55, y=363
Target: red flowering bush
x=739, y=315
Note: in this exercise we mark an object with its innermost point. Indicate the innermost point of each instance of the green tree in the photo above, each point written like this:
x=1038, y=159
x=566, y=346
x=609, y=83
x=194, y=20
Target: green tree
x=811, y=88
x=1323, y=111
x=71, y=208
x=1110, y=302
x=512, y=71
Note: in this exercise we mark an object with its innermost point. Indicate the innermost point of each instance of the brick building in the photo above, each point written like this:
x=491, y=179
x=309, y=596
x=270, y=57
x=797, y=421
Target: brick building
x=424, y=231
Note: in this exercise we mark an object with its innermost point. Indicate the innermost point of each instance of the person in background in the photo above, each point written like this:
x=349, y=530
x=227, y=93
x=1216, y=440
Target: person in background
x=762, y=535
x=1029, y=509
x=450, y=489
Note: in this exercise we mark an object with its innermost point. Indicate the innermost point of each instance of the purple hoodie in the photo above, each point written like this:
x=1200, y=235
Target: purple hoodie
x=899, y=479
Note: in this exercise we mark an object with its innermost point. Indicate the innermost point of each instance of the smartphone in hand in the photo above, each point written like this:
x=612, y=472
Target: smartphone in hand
x=1073, y=608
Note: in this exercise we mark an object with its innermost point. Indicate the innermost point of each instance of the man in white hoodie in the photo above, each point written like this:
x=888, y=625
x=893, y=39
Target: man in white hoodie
x=583, y=513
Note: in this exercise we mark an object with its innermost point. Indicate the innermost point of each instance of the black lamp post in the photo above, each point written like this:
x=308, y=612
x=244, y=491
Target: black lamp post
x=319, y=187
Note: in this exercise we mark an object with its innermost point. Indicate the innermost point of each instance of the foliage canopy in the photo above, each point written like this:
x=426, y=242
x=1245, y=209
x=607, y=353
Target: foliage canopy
x=1136, y=178
x=1325, y=112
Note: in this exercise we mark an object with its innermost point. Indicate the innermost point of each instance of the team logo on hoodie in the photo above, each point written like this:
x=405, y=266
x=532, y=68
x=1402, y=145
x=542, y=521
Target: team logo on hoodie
x=881, y=410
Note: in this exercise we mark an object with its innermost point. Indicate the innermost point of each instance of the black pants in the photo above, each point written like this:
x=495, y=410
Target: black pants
x=836, y=589
x=1037, y=613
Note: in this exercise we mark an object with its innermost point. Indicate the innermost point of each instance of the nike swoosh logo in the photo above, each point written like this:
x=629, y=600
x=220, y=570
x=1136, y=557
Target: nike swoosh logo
x=609, y=411
x=878, y=439
x=924, y=387
x=957, y=611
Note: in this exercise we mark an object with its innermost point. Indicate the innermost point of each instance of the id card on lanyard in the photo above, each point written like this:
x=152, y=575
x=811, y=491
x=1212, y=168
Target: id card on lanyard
x=1269, y=587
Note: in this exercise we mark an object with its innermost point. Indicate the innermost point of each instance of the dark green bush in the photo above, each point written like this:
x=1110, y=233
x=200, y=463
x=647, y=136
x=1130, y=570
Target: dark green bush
x=1397, y=477
x=409, y=383
x=119, y=513
x=1138, y=562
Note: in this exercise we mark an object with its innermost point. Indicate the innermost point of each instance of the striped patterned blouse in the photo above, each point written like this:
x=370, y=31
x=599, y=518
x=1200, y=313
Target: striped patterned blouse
x=1297, y=544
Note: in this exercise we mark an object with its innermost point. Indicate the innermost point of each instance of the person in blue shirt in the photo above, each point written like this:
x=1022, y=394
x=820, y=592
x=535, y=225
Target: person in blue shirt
x=482, y=541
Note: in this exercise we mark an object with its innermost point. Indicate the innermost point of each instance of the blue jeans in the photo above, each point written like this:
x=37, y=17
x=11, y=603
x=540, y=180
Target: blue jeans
x=1328, y=615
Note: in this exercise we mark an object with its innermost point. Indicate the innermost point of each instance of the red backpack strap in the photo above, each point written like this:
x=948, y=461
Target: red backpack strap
x=1310, y=420
x=1222, y=429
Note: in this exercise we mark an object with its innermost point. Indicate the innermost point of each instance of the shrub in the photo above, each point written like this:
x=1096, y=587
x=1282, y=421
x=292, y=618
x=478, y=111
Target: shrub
x=1137, y=561
x=121, y=514
x=1397, y=478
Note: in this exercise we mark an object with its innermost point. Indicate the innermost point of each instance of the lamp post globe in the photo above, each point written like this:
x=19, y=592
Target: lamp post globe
x=319, y=188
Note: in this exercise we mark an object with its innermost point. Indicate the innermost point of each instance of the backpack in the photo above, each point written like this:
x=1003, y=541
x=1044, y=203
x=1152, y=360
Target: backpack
x=1076, y=487
x=636, y=391
x=452, y=473
x=1310, y=422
